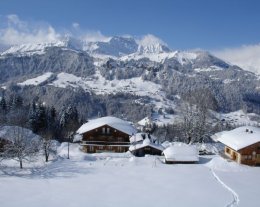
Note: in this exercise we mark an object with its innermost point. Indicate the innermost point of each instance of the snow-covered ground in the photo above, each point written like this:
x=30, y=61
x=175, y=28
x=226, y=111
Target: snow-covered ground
x=239, y=118
x=38, y=80
x=124, y=180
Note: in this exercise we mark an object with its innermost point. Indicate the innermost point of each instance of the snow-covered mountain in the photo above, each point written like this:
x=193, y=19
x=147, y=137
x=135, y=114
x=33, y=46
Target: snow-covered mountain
x=152, y=45
x=114, y=47
x=145, y=70
x=67, y=42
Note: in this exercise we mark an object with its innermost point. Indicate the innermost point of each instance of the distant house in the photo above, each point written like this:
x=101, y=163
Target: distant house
x=241, y=144
x=106, y=134
x=181, y=153
x=144, y=143
x=145, y=125
x=9, y=133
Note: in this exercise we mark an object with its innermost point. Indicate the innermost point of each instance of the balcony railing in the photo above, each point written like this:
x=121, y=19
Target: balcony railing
x=105, y=143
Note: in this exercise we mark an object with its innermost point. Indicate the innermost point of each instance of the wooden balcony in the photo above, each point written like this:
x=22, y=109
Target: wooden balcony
x=116, y=143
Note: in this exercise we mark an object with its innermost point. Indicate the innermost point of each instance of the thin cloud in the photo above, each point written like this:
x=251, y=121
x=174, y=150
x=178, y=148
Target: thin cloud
x=150, y=39
x=93, y=36
x=75, y=25
x=16, y=31
x=246, y=57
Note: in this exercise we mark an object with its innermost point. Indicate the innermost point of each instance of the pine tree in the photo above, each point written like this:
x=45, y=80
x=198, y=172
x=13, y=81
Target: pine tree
x=69, y=122
x=37, y=118
x=3, y=105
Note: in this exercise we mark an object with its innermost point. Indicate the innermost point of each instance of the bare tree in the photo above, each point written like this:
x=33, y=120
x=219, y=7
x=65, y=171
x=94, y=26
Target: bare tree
x=20, y=145
x=195, y=113
x=47, y=143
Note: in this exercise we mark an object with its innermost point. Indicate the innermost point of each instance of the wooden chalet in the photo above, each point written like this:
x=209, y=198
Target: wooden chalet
x=106, y=134
x=241, y=144
x=143, y=144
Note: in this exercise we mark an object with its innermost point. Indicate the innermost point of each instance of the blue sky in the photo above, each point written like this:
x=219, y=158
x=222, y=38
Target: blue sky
x=206, y=24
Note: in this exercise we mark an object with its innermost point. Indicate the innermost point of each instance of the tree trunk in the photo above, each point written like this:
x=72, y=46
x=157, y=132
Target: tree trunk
x=21, y=163
x=46, y=155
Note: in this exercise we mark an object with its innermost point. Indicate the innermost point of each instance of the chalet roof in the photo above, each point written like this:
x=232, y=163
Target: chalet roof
x=145, y=143
x=11, y=132
x=145, y=121
x=181, y=152
x=239, y=138
x=114, y=122
x=140, y=137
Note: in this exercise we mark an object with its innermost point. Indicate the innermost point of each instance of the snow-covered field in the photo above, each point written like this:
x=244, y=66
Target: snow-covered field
x=123, y=180
x=38, y=80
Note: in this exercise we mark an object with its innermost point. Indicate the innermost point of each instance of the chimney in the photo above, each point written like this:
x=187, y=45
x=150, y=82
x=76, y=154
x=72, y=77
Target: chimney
x=247, y=130
x=251, y=131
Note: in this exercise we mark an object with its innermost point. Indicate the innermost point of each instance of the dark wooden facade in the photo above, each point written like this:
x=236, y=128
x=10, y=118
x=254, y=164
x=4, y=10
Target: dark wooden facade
x=3, y=142
x=178, y=162
x=105, y=139
x=249, y=155
x=148, y=150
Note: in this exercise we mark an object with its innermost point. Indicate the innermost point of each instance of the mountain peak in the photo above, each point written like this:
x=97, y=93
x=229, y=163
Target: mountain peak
x=72, y=42
x=117, y=46
x=151, y=44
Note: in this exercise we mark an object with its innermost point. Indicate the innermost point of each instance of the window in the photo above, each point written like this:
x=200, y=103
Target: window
x=103, y=130
x=120, y=139
x=228, y=150
x=258, y=156
x=91, y=148
x=108, y=130
x=247, y=157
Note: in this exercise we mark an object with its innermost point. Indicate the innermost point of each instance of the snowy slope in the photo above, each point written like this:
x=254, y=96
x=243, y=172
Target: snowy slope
x=184, y=57
x=38, y=80
x=122, y=180
x=239, y=118
x=31, y=49
x=11, y=132
x=136, y=86
x=39, y=48
x=99, y=85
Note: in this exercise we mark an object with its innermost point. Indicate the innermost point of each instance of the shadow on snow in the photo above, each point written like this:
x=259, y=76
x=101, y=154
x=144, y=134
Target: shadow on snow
x=60, y=168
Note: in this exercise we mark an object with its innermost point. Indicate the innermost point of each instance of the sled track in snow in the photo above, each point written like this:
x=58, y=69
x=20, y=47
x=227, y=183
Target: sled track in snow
x=235, y=200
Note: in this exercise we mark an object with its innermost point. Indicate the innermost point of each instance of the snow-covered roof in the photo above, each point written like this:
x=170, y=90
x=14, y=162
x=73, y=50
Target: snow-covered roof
x=146, y=142
x=181, y=152
x=238, y=138
x=145, y=121
x=11, y=132
x=166, y=144
x=140, y=137
x=114, y=122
